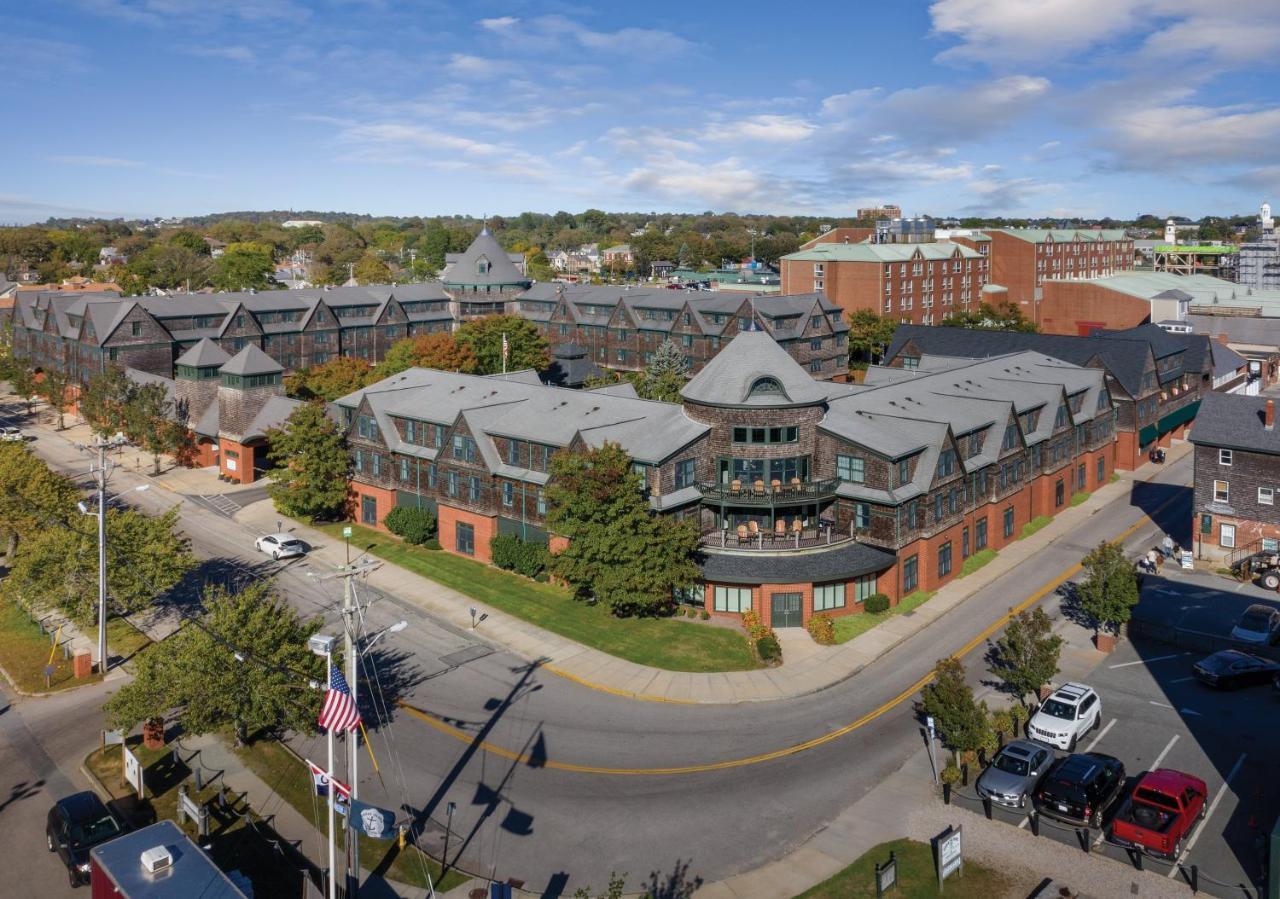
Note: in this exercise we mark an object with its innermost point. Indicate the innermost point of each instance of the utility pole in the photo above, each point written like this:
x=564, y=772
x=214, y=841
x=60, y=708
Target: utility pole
x=101, y=471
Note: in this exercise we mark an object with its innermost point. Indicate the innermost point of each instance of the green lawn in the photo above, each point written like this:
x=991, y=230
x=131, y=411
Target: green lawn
x=24, y=652
x=1079, y=496
x=123, y=639
x=661, y=642
x=1035, y=524
x=916, y=877
x=850, y=626
x=292, y=782
x=976, y=561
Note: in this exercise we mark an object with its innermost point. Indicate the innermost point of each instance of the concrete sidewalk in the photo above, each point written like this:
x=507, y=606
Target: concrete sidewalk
x=804, y=670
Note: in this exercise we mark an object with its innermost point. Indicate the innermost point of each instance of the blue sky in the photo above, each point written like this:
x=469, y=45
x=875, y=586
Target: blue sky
x=1002, y=107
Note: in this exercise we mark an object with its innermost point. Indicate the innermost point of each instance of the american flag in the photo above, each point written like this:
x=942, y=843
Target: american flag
x=339, y=711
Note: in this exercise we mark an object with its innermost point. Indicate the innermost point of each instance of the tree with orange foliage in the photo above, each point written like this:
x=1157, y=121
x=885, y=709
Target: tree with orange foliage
x=438, y=350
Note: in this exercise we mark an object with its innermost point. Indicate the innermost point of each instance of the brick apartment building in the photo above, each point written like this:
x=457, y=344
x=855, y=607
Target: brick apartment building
x=1156, y=379
x=1237, y=476
x=918, y=283
x=809, y=495
x=1023, y=259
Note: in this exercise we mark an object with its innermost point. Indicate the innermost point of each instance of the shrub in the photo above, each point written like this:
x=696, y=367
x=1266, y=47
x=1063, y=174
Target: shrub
x=514, y=554
x=705, y=615
x=876, y=602
x=1018, y=714
x=769, y=648
x=822, y=629
x=1002, y=723
x=754, y=627
x=950, y=775
x=415, y=526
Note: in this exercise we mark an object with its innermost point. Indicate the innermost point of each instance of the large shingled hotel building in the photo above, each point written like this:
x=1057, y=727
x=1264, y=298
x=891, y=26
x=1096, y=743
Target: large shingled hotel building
x=809, y=495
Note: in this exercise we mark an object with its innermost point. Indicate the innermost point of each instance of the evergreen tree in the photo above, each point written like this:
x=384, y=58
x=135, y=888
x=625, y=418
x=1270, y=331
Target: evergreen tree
x=618, y=551
x=665, y=375
x=1109, y=590
x=309, y=477
x=1026, y=657
x=526, y=348
x=195, y=672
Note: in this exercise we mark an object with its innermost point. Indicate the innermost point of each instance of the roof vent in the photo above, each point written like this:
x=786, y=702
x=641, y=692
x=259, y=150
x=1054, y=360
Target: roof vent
x=155, y=859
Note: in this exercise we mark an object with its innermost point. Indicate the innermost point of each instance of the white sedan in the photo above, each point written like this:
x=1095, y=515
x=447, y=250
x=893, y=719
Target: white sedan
x=281, y=546
x=1258, y=624
x=14, y=434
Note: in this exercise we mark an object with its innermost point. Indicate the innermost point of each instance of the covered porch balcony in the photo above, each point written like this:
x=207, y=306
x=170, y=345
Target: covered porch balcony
x=778, y=520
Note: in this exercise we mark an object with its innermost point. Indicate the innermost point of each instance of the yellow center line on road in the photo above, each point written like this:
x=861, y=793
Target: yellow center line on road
x=523, y=758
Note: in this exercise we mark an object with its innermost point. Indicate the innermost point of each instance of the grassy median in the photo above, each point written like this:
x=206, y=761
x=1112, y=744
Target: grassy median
x=660, y=642
x=24, y=651
x=916, y=877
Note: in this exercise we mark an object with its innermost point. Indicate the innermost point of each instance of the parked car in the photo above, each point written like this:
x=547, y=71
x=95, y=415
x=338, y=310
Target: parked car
x=11, y=434
x=1158, y=816
x=76, y=824
x=1080, y=788
x=1233, y=668
x=1014, y=773
x=1258, y=624
x=281, y=546
x=1070, y=711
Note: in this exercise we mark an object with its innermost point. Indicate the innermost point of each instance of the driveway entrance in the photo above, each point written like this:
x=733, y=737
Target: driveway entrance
x=785, y=610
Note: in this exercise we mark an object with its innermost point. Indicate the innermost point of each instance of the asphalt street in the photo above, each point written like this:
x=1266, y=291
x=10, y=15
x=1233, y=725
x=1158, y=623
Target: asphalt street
x=538, y=817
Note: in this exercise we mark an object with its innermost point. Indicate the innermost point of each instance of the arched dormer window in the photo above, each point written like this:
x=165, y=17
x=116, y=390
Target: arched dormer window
x=482, y=266
x=765, y=387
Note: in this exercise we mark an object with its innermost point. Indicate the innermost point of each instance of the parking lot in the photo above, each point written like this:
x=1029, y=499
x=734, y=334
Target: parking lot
x=1156, y=715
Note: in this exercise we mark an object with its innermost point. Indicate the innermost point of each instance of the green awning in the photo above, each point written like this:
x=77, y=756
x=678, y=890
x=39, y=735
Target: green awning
x=1179, y=417
x=1148, y=435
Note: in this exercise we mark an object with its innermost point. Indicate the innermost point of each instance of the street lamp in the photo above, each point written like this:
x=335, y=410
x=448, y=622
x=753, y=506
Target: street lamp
x=101, y=513
x=322, y=645
x=393, y=629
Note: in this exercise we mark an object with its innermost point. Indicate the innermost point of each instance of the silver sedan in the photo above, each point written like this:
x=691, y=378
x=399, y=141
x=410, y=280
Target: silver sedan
x=1014, y=773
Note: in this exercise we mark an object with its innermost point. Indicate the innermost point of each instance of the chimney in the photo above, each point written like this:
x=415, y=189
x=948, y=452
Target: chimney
x=1269, y=417
x=1221, y=338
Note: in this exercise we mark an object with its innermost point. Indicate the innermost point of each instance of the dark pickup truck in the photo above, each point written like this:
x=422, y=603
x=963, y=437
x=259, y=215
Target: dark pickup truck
x=1164, y=807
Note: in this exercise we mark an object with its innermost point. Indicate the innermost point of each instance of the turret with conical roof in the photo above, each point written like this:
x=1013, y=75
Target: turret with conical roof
x=482, y=280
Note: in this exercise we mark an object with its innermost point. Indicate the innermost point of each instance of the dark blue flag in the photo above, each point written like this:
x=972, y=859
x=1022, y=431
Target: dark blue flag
x=372, y=821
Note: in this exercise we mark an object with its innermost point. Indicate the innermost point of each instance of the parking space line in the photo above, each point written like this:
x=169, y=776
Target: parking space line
x=1098, y=738
x=1163, y=753
x=1162, y=705
x=1213, y=807
x=1176, y=655
x=1182, y=680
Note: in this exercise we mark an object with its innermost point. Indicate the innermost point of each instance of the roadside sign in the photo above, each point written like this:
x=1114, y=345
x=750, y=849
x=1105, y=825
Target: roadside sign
x=887, y=875
x=928, y=722
x=1187, y=560
x=133, y=770
x=346, y=532
x=948, y=854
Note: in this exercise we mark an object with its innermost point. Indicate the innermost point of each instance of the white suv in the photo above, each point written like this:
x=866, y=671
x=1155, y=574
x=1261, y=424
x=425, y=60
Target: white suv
x=1070, y=712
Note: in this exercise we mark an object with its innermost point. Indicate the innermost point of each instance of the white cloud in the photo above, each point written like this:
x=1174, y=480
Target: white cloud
x=727, y=183
x=764, y=128
x=235, y=53
x=108, y=162
x=642, y=43
x=903, y=167
x=464, y=65
x=499, y=23
x=398, y=143
x=1192, y=134
x=644, y=140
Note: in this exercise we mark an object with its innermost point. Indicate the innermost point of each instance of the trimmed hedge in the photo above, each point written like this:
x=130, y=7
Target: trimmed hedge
x=876, y=602
x=769, y=648
x=514, y=554
x=415, y=526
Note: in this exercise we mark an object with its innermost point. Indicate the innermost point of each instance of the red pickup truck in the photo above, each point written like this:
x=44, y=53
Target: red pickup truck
x=1164, y=807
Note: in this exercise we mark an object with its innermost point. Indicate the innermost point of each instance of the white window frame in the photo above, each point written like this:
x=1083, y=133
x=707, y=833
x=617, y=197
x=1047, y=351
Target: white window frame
x=1225, y=456
x=724, y=594
x=829, y=596
x=1227, y=536
x=1266, y=496
x=1222, y=495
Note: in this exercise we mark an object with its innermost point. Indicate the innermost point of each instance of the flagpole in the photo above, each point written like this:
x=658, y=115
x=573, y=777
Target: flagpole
x=333, y=854
x=353, y=739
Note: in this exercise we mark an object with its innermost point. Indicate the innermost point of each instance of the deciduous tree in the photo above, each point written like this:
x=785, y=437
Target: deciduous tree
x=103, y=400
x=1001, y=317
x=371, y=270
x=243, y=266
x=309, y=477
x=196, y=672
x=330, y=380
x=526, y=348
x=53, y=387
x=1109, y=590
x=870, y=334
x=1026, y=657
x=32, y=496
x=618, y=551
x=149, y=419
x=438, y=350
x=22, y=381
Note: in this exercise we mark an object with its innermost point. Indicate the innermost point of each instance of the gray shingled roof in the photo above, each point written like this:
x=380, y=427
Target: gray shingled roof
x=752, y=356
x=251, y=361
x=273, y=414
x=839, y=563
x=501, y=270
x=204, y=354
x=1234, y=421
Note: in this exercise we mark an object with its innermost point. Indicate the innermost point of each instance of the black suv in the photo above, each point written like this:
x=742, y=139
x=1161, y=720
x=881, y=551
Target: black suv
x=1079, y=788
x=77, y=824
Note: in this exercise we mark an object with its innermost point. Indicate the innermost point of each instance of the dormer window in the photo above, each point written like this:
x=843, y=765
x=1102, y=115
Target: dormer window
x=765, y=387
x=482, y=266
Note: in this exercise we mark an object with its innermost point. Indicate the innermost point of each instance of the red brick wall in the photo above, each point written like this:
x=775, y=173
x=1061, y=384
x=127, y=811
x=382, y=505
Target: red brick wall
x=486, y=528
x=385, y=498
x=237, y=469
x=1070, y=306
x=206, y=453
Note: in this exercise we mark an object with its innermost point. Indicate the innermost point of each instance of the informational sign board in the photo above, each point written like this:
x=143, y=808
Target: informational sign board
x=133, y=771
x=948, y=853
x=1188, y=561
x=887, y=875
x=346, y=532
